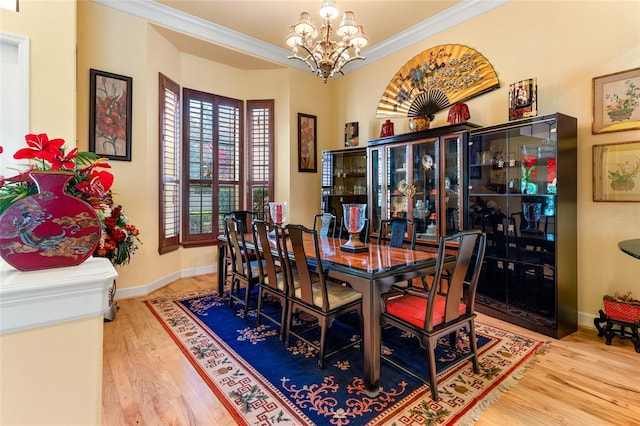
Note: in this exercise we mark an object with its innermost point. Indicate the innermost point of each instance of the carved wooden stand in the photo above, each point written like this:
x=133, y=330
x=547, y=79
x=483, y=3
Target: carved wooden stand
x=608, y=331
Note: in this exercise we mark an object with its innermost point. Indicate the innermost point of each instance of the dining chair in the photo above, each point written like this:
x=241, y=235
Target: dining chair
x=364, y=234
x=272, y=280
x=244, y=216
x=315, y=295
x=327, y=222
x=244, y=271
x=392, y=232
x=445, y=309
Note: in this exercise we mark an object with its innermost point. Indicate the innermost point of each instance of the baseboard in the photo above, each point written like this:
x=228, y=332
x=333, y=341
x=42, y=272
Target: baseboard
x=143, y=290
x=586, y=320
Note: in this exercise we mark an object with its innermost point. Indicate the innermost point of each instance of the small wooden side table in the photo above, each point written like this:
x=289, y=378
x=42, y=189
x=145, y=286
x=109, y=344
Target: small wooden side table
x=614, y=328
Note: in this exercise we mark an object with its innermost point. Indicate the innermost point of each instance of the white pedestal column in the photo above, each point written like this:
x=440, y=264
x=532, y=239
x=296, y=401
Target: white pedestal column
x=51, y=328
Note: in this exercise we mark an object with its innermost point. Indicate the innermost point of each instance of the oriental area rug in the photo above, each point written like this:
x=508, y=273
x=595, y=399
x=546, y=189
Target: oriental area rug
x=260, y=381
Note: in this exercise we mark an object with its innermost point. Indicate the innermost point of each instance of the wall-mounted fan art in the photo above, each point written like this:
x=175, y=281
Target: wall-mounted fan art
x=436, y=79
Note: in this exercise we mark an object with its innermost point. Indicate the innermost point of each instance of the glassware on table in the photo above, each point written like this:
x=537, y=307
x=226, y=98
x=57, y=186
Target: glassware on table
x=354, y=215
x=278, y=211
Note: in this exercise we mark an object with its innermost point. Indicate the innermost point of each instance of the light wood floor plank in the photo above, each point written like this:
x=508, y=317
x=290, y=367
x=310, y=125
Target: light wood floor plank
x=578, y=381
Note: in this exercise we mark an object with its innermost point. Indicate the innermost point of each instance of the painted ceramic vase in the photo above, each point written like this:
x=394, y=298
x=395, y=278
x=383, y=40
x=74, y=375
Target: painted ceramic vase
x=387, y=129
x=417, y=124
x=49, y=229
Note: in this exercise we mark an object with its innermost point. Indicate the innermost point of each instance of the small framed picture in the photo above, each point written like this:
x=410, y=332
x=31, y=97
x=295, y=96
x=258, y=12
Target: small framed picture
x=616, y=172
x=616, y=102
x=110, y=115
x=351, y=134
x=307, y=143
x=523, y=99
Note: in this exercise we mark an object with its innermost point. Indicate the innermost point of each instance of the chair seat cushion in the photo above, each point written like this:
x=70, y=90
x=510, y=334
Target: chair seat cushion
x=252, y=255
x=413, y=309
x=337, y=294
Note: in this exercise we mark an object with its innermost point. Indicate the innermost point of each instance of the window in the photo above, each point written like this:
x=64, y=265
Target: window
x=169, y=208
x=221, y=173
x=260, y=154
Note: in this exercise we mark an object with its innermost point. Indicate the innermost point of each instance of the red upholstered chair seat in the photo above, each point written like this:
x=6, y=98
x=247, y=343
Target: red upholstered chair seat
x=413, y=309
x=250, y=254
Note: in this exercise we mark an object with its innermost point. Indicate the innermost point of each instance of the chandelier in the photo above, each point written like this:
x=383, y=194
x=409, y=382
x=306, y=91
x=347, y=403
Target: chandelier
x=326, y=57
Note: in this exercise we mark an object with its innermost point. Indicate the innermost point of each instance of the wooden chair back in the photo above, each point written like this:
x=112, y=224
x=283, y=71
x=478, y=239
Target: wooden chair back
x=269, y=263
x=459, y=284
x=392, y=232
x=307, y=277
x=327, y=222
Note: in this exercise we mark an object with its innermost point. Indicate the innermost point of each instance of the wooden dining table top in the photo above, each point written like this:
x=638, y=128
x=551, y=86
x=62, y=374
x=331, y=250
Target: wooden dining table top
x=377, y=261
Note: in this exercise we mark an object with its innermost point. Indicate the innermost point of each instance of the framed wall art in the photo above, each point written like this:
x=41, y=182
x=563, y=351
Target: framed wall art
x=307, y=143
x=110, y=115
x=616, y=172
x=616, y=102
x=351, y=133
x=523, y=99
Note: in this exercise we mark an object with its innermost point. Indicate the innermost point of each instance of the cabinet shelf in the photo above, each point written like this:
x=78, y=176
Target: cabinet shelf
x=344, y=179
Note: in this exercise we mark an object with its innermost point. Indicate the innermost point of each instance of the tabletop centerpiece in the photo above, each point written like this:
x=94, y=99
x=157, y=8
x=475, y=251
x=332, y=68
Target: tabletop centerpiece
x=354, y=215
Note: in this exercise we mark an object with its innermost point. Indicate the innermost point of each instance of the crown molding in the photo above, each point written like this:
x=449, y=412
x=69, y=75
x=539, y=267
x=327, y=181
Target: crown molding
x=218, y=34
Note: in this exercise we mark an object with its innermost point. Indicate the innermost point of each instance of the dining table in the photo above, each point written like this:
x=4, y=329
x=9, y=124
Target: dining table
x=371, y=272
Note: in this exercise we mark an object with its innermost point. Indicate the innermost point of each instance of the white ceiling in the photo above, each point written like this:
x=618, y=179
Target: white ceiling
x=250, y=34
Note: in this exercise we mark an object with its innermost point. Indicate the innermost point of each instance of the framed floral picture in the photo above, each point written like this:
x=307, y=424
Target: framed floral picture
x=616, y=102
x=616, y=172
x=307, y=143
x=110, y=115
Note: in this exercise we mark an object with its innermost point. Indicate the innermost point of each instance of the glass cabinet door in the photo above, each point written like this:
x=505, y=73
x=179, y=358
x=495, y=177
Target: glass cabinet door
x=377, y=197
x=512, y=197
x=452, y=184
x=425, y=178
x=397, y=181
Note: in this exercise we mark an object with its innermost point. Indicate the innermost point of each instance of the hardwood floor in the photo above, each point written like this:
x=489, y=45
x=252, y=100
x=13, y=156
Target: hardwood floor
x=148, y=381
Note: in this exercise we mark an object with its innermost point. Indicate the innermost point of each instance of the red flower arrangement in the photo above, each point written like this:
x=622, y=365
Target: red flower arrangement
x=91, y=184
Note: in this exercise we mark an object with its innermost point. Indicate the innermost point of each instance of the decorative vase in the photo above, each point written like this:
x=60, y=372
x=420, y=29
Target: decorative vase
x=387, y=129
x=278, y=211
x=532, y=213
x=49, y=229
x=354, y=215
x=622, y=186
x=419, y=123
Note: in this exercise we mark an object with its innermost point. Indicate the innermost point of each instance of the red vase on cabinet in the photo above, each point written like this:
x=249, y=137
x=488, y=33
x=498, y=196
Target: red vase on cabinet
x=49, y=229
x=387, y=129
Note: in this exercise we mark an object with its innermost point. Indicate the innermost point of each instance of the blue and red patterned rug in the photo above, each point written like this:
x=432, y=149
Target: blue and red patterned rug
x=262, y=382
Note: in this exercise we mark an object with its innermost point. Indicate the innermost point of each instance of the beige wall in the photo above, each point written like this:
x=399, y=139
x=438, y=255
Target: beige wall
x=51, y=29
x=52, y=64
x=52, y=375
x=563, y=44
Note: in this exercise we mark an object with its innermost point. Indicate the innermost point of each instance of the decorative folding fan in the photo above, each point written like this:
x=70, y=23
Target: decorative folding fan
x=436, y=79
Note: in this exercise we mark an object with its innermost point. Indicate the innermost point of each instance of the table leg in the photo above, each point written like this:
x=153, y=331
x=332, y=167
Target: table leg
x=371, y=291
